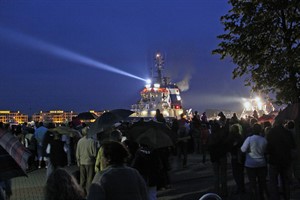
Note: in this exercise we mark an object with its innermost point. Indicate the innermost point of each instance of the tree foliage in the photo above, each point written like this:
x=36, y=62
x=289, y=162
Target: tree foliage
x=262, y=38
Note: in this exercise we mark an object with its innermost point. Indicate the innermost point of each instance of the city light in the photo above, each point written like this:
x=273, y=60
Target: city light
x=156, y=85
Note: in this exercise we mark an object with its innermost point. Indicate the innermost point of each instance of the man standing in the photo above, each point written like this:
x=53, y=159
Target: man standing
x=39, y=135
x=86, y=153
x=183, y=137
x=159, y=116
x=279, y=147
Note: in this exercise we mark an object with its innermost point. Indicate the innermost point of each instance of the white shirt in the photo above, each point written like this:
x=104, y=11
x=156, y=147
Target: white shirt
x=257, y=146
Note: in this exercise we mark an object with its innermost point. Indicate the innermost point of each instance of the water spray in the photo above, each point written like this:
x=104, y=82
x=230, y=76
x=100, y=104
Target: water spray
x=66, y=54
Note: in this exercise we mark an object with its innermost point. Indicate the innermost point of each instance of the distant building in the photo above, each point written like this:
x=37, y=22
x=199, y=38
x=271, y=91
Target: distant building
x=7, y=116
x=59, y=116
x=54, y=116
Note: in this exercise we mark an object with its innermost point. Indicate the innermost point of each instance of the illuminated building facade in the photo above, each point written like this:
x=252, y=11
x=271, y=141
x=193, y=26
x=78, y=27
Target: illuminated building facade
x=54, y=116
x=58, y=116
x=17, y=117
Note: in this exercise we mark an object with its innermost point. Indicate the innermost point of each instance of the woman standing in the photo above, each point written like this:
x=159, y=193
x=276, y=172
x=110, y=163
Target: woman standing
x=256, y=166
x=61, y=185
x=116, y=180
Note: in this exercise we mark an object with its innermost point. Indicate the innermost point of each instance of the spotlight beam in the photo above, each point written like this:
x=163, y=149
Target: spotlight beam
x=63, y=53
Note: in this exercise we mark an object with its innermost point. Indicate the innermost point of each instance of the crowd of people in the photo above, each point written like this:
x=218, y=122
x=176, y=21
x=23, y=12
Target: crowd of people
x=119, y=168
x=263, y=150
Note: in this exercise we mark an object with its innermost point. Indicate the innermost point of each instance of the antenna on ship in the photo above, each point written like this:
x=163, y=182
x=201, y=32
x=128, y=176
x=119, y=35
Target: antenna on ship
x=159, y=61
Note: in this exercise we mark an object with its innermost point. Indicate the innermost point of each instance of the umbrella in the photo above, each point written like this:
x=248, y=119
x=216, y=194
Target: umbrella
x=154, y=134
x=210, y=196
x=87, y=116
x=108, y=119
x=64, y=130
x=13, y=156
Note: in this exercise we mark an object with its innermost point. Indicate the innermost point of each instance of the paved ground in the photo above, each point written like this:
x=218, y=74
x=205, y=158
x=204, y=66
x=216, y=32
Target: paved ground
x=186, y=184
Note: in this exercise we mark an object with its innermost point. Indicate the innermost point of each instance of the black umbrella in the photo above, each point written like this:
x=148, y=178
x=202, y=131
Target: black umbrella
x=154, y=134
x=13, y=156
x=87, y=116
x=64, y=130
x=108, y=119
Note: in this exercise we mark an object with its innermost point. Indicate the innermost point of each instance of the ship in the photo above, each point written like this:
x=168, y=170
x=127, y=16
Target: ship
x=159, y=93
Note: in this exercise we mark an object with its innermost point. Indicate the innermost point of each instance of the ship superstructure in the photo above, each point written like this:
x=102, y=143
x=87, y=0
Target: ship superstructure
x=160, y=94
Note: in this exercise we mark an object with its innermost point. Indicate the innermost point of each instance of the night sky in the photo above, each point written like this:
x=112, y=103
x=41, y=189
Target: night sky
x=45, y=47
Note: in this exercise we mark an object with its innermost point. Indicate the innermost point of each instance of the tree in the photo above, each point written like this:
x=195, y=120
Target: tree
x=262, y=38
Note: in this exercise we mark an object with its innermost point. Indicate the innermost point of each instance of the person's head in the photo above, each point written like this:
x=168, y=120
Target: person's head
x=116, y=135
x=142, y=119
x=18, y=129
x=84, y=131
x=267, y=130
x=278, y=122
x=256, y=129
x=62, y=186
x=182, y=116
x=221, y=114
x=234, y=129
x=253, y=121
x=40, y=124
x=267, y=124
x=114, y=153
x=291, y=125
x=51, y=125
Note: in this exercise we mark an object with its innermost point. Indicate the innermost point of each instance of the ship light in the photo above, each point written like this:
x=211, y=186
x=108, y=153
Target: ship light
x=156, y=85
x=180, y=112
x=148, y=86
x=148, y=81
x=165, y=113
x=144, y=113
x=177, y=107
x=153, y=112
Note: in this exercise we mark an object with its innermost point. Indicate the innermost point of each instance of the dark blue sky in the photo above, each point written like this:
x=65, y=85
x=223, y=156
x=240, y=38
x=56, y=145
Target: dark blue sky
x=124, y=34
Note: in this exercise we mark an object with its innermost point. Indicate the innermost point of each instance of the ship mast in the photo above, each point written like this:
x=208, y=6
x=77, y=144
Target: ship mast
x=159, y=61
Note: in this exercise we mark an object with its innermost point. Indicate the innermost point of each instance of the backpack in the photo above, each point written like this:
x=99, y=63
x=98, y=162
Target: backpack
x=183, y=130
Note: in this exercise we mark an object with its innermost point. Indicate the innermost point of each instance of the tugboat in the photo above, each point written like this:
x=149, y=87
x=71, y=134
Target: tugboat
x=159, y=93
